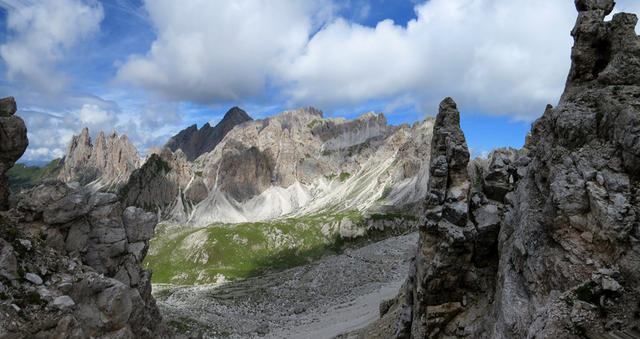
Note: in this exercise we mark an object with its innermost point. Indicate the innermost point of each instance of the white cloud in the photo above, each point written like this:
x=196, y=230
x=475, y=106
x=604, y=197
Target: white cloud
x=41, y=33
x=503, y=57
x=494, y=56
x=90, y=114
x=49, y=132
x=497, y=56
x=209, y=51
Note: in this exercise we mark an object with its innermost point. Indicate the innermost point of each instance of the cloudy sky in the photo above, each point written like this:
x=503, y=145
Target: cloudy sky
x=150, y=68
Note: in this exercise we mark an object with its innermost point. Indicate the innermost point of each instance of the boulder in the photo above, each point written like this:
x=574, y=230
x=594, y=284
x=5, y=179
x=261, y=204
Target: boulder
x=13, y=143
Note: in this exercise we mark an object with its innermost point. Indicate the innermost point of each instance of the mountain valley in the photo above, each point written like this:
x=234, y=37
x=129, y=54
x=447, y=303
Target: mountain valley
x=305, y=226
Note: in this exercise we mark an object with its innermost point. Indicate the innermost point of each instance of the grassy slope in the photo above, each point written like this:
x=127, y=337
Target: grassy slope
x=25, y=177
x=239, y=250
x=187, y=255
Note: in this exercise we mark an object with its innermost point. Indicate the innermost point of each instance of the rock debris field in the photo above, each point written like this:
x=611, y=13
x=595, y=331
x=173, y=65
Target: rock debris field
x=337, y=294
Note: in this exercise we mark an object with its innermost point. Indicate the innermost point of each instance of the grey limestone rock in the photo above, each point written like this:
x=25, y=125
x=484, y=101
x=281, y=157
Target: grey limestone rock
x=13, y=143
x=8, y=106
x=63, y=302
x=106, y=164
x=553, y=249
x=93, y=275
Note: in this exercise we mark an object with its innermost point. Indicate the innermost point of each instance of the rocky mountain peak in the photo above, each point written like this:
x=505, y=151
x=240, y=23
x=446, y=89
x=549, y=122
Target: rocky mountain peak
x=84, y=134
x=236, y=114
x=195, y=142
x=448, y=115
x=606, y=6
x=449, y=157
x=110, y=161
x=604, y=51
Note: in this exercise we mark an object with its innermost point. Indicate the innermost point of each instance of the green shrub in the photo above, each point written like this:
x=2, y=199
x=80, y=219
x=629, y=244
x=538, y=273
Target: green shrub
x=34, y=298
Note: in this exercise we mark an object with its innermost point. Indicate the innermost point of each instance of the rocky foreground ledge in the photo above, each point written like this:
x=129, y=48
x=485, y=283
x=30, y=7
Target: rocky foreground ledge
x=70, y=259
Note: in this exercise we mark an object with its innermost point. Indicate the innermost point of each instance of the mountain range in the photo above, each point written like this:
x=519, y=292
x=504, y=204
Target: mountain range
x=295, y=163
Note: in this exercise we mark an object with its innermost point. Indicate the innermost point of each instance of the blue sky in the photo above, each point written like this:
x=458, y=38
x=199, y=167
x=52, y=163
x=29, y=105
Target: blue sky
x=150, y=68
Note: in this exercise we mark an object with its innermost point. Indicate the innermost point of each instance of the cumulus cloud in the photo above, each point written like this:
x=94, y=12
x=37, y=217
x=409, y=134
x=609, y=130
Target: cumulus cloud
x=494, y=56
x=49, y=132
x=502, y=57
x=209, y=51
x=90, y=114
x=41, y=33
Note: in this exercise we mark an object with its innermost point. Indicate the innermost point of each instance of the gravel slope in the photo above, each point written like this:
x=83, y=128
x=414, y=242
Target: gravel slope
x=336, y=294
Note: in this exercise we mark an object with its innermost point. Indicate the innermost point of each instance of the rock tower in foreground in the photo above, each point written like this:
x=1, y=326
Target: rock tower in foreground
x=544, y=242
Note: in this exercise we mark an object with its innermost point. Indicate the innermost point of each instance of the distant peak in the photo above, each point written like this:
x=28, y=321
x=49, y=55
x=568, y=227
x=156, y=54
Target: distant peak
x=236, y=113
x=367, y=115
x=314, y=111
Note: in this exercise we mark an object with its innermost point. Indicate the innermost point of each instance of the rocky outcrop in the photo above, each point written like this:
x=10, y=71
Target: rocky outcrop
x=71, y=266
x=13, y=143
x=544, y=242
x=71, y=263
x=106, y=165
x=194, y=142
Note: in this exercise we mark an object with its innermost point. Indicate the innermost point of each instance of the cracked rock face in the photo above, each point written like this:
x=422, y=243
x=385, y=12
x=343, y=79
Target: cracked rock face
x=542, y=242
x=13, y=143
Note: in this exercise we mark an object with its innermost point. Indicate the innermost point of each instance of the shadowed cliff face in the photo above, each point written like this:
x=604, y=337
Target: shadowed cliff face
x=544, y=242
x=195, y=142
